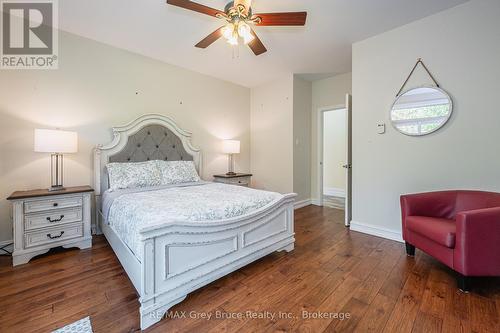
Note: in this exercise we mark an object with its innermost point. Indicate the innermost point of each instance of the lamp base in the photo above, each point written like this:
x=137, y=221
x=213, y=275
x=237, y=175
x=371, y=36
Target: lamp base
x=56, y=188
x=230, y=173
x=56, y=173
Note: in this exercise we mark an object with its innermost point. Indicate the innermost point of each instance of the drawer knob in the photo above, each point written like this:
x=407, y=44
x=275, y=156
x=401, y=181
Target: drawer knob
x=54, y=220
x=55, y=204
x=54, y=237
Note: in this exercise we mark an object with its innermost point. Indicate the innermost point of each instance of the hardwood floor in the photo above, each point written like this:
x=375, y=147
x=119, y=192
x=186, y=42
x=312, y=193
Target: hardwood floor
x=331, y=271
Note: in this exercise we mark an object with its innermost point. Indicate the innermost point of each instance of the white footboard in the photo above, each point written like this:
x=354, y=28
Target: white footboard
x=179, y=259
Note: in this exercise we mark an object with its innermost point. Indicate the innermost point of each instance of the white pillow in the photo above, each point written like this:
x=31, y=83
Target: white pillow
x=176, y=172
x=131, y=175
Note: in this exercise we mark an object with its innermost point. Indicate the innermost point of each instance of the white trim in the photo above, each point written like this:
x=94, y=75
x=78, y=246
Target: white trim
x=377, y=231
x=317, y=202
x=334, y=192
x=302, y=203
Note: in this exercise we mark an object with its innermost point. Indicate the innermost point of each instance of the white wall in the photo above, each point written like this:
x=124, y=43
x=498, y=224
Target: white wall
x=461, y=47
x=97, y=87
x=334, y=147
x=302, y=97
x=328, y=92
x=272, y=135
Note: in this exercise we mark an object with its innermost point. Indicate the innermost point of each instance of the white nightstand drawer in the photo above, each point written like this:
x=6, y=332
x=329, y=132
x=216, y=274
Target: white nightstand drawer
x=54, y=203
x=52, y=218
x=51, y=235
x=244, y=181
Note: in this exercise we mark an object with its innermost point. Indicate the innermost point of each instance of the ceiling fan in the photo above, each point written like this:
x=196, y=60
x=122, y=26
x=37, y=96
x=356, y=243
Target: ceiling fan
x=239, y=18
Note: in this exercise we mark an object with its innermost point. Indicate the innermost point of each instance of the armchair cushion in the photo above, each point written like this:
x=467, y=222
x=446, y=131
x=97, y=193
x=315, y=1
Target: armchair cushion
x=441, y=231
x=433, y=204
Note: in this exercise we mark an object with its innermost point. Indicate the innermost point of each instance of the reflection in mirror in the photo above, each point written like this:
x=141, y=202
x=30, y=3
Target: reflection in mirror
x=421, y=111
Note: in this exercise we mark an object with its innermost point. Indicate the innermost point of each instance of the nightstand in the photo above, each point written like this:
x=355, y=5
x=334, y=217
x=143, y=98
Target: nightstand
x=44, y=220
x=241, y=179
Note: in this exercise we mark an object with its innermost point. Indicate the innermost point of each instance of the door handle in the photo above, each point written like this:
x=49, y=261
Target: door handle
x=347, y=166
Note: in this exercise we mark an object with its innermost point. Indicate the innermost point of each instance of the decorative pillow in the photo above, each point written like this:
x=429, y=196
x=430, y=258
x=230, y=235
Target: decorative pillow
x=130, y=175
x=176, y=172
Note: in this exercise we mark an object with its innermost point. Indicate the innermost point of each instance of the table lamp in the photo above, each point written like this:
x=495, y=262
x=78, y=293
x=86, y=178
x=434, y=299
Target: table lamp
x=231, y=147
x=56, y=142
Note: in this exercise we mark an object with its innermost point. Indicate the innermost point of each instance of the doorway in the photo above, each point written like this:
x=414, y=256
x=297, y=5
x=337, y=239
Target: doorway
x=334, y=150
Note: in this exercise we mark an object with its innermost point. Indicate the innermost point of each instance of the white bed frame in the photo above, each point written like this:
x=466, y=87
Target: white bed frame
x=182, y=257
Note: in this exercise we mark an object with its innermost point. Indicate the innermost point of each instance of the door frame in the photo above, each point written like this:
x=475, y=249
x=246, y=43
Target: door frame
x=320, y=152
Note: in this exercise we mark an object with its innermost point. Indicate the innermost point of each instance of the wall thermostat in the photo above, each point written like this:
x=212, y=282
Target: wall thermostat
x=381, y=128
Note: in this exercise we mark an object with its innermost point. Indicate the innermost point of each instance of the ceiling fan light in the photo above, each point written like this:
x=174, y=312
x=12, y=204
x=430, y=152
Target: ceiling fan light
x=245, y=32
x=243, y=29
x=248, y=38
x=228, y=31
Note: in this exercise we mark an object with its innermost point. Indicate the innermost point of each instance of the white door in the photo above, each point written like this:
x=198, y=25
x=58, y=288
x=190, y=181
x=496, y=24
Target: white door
x=348, y=165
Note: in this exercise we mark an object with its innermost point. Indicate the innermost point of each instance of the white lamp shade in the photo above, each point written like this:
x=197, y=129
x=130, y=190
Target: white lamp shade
x=55, y=141
x=231, y=147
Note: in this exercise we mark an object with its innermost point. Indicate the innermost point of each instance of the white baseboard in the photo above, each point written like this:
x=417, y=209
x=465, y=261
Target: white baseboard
x=377, y=231
x=8, y=248
x=315, y=202
x=302, y=203
x=334, y=192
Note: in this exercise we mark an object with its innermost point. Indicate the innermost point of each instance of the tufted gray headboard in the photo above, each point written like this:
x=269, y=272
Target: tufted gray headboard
x=149, y=137
x=152, y=142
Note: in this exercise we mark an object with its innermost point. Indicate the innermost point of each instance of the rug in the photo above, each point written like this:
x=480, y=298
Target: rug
x=80, y=326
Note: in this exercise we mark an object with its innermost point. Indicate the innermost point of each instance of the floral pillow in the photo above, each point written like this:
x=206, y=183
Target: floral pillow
x=131, y=175
x=176, y=172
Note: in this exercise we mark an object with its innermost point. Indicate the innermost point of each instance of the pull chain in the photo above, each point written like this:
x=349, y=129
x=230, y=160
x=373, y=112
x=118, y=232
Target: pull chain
x=236, y=51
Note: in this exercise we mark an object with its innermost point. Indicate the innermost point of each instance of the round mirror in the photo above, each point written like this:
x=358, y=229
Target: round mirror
x=421, y=111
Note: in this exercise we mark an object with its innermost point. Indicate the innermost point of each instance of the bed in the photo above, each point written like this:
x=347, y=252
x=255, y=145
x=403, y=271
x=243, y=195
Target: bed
x=167, y=246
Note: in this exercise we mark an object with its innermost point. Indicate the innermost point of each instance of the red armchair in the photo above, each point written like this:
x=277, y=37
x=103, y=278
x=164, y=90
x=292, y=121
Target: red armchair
x=459, y=228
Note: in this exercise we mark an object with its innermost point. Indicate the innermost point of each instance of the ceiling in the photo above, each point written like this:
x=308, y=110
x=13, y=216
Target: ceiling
x=157, y=30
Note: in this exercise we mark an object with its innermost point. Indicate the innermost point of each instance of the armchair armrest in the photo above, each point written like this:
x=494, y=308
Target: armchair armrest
x=477, y=250
x=432, y=204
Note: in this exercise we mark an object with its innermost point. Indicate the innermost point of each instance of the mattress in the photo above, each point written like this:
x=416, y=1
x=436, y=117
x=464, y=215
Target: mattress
x=131, y=211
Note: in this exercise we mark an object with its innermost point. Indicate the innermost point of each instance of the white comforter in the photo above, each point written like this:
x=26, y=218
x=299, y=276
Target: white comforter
x=132, y=211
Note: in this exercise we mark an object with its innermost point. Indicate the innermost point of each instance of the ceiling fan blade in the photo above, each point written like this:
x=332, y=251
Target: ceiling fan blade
x=269, y=19
x=246, y=3
x=207, y=41
x=256, y=45
x=186, y=4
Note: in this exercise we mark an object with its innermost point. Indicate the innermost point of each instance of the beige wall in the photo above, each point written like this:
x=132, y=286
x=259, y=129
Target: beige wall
x=334, y=147
x=329, y=92
x=96, y=87
x=461, y=47
x=272, y=135
x=302, y=97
